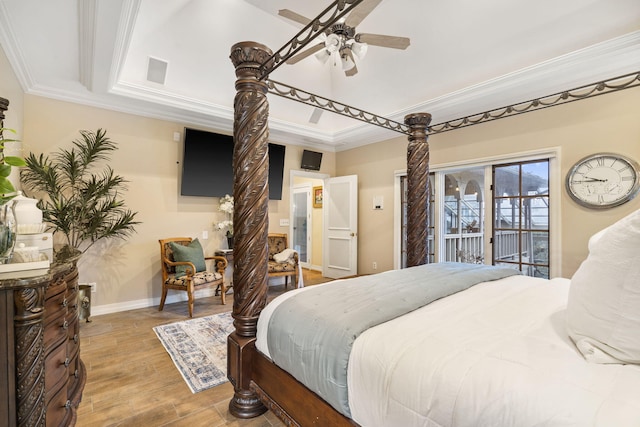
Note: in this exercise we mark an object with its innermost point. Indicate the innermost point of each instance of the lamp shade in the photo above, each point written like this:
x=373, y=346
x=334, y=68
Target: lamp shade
x=323, y=56
x=359, y=49
x=345, y=58
x=333, y=42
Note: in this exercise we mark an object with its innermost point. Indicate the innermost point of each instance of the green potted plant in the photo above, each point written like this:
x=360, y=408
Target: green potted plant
x=80, y=202
x=7, y=193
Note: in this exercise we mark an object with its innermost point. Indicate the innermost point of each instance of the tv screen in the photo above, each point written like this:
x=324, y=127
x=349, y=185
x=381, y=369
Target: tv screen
x=207, y=165
x=311, y=160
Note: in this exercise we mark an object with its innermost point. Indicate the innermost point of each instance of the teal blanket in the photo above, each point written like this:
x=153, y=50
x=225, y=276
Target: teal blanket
x=310, y=335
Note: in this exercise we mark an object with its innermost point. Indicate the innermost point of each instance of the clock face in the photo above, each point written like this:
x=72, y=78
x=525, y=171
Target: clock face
x=603, y=180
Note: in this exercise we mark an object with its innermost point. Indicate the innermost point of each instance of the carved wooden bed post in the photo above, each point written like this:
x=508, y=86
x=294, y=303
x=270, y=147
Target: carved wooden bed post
x=418, y=189
x=250, y=218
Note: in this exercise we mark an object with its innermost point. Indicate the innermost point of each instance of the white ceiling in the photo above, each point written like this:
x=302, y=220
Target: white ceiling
x=465, y=57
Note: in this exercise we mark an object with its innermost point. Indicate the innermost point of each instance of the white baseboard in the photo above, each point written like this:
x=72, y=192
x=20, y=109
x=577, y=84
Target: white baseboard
x=172, y=297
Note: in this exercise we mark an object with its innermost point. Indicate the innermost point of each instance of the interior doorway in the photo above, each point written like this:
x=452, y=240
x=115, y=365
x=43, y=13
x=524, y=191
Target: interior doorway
x=302, y=223
x=305, y=227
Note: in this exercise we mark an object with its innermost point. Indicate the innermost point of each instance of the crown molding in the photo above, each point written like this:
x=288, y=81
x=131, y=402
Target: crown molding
x=12, y=50
x=594, y=63
x=601, y=61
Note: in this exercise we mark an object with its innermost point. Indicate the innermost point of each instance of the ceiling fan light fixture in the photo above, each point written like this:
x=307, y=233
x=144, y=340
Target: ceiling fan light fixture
x=323, y=56
x=333, y=43
x=359, y=49
x=347, y=62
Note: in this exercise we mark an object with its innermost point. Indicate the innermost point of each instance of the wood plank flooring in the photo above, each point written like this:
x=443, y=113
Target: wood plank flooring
x=132, y=381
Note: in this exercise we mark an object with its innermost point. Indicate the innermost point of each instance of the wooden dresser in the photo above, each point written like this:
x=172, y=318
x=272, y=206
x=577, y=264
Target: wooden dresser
x=42, y=376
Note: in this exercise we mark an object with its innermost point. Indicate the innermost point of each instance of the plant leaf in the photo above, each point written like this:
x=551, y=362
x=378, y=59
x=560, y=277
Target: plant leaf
x=15, y=161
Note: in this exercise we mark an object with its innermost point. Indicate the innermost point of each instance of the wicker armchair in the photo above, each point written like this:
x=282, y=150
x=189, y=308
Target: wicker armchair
x=287, y=268
x=184, y=269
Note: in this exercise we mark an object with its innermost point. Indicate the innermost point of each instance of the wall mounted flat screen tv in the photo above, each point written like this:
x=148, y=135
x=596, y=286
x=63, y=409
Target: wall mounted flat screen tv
x=311, y=160
x=207, y=165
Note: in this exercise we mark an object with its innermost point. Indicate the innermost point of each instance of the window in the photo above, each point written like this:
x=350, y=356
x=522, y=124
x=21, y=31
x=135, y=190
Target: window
x=466, y=218
x=521, y=217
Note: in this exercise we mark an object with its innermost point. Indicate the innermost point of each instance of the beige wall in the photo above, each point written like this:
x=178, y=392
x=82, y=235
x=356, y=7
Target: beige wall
x=604, y=123
x=128, y=273
x=10, y=89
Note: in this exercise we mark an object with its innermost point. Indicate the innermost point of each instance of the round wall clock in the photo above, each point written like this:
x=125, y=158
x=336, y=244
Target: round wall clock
x=603, y=180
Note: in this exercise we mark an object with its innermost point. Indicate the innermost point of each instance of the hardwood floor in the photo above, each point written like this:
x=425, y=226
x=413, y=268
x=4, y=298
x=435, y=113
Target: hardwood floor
x=132, y=381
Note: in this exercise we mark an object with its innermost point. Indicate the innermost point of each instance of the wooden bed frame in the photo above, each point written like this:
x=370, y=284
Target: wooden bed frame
x=258, y=383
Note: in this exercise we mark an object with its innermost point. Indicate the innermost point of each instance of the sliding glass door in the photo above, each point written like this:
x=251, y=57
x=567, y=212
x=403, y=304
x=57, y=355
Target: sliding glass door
x=514, y=224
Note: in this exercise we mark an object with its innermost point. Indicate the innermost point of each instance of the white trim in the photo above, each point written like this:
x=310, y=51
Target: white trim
x=555, y=194
x=173, y=297
x=397, y=213
x=310, y=175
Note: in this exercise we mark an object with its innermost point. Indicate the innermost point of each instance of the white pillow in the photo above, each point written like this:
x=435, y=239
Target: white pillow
x=603, y=310
x=284, y=256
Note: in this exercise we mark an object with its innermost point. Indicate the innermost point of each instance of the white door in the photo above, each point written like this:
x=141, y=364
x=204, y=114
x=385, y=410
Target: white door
x=340, y=237
x=302, y=225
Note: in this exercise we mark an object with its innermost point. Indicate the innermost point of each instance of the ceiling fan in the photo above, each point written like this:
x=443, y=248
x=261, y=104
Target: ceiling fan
x=341, y=42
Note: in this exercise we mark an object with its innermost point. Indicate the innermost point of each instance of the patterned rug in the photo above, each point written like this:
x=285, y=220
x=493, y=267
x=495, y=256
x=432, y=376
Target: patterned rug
x=198, y=347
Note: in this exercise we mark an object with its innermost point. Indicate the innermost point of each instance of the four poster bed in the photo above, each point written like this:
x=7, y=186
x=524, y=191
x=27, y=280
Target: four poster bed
x=450, y=344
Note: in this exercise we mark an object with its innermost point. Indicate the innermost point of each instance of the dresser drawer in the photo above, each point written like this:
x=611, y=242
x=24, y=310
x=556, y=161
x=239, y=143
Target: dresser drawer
x=56, y=287
x=56, y=371
x=73, y=343
x=58, y=407
x=56, y=332
x=55, y=301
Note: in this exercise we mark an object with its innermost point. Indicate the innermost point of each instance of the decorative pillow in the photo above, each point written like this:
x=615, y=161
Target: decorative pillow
x=603, y=310
x=283, y=256
x=192, y=253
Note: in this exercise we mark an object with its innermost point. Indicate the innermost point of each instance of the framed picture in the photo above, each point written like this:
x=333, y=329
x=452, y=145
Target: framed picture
x=317, y=197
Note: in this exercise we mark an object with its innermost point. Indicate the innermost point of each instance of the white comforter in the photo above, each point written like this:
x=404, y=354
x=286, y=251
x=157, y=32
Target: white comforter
x=494, y=355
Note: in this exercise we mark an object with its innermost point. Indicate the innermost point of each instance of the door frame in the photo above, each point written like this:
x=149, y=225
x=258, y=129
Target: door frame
x=293, y=173
x=303, y=187
x=555, y=194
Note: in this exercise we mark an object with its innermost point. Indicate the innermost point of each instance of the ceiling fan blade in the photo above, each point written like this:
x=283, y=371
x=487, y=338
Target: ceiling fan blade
x=384, y=41
x=294, y=16
x=352, y=71
x=305, y=53
x=360, y=12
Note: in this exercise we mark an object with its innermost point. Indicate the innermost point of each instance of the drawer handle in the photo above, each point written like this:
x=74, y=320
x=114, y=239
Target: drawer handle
x=67, y=404
x=75, y=338
x=64, y=302
x=65, y=325
x=76, y=374
x=67, y=362
x=75, y=306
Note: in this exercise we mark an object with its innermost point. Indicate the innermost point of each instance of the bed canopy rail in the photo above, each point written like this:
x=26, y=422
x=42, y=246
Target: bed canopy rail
x=318, y=101
x=319, y=24
x=615, y=84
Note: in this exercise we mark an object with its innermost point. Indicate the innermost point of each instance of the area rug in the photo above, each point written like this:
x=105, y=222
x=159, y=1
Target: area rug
x=198, y=348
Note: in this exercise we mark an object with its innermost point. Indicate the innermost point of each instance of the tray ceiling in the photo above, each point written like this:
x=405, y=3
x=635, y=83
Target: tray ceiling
x=465, y=57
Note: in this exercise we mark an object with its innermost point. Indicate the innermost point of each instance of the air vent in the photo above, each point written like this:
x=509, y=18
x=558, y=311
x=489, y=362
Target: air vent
x=315, y=116
x=157, y=70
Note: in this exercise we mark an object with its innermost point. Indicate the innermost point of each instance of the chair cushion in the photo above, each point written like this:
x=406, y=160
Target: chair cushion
x=198, y=278
x=276, y=245
x=192, y=253
x=603, y=310
x=279, y=267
